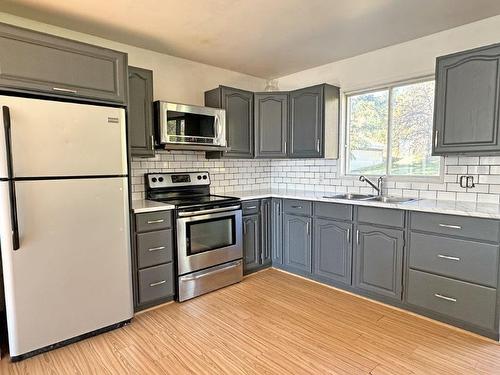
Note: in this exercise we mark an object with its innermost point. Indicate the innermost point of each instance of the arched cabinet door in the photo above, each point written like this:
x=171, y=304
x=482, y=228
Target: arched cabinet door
x=466, y=117
x=271, y=125
x=379, y=260
x=297, y=243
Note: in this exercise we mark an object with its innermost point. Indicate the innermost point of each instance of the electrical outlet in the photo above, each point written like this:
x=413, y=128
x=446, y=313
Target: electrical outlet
x=467, y=182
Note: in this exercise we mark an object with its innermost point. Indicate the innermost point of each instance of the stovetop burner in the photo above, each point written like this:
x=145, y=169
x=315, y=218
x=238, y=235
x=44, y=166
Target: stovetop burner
x=183, y=189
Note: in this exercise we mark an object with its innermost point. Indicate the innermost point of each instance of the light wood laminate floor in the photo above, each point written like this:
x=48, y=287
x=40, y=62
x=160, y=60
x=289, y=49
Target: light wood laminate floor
x=273, y=323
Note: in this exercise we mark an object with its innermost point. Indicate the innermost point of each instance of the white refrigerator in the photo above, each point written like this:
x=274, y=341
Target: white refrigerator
x=64, y=222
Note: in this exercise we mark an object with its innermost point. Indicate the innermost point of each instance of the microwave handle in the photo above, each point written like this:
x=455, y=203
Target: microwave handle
x=219, y=125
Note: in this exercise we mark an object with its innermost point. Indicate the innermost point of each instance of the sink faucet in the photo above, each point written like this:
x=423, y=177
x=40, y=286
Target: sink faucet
x=380, y=184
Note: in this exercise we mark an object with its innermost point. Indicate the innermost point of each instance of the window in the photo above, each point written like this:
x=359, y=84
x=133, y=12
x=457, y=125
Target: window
x=389, y=131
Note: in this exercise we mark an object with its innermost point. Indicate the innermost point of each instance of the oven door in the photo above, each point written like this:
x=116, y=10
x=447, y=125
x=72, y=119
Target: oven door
x=208, y=238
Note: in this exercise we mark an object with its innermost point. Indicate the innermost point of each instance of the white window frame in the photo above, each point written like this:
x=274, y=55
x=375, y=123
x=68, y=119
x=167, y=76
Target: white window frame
x=345, y=136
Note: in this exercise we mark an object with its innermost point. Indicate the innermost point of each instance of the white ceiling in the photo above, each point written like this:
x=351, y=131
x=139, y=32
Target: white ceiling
x=264, y=38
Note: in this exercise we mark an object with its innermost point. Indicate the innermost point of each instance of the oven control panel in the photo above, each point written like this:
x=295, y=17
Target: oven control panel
x=165, y=180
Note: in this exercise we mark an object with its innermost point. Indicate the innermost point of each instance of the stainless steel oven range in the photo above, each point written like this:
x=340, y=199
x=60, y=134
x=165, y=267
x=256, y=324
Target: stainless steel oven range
x=208, y=231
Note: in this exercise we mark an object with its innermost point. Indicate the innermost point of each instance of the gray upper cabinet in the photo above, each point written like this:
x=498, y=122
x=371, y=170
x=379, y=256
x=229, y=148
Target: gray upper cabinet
x=297, y=243
x=239, y=119
x=251, y=242
x=43, y=63
x=314, y=122
x=332, y=250
x=271, y=125
x=379, y=261
x=140, y=112
x=466, y=116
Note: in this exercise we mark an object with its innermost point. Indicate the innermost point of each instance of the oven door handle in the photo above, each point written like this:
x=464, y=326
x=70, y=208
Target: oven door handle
x=219, y=270
x=209, y=211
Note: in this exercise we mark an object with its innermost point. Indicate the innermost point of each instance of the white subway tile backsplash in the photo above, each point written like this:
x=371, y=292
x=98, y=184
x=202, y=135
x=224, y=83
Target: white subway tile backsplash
x=322, y=175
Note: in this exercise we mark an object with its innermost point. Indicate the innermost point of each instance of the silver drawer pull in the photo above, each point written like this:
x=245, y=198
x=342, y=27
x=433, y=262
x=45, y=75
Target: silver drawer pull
x=251, y=207
x=158, y=283
x=299, y=207
x=156, y=221
x=157, y=248
x=450, y=226
x=445, y=298
x=448, y=257
x=64, y=90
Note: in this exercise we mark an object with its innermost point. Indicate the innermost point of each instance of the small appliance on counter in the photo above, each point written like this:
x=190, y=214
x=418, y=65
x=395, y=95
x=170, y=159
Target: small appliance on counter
x=189, y=127
x=208, y=230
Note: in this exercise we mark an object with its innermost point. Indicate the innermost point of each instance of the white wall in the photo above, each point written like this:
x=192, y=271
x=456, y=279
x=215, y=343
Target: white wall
x=175, y=79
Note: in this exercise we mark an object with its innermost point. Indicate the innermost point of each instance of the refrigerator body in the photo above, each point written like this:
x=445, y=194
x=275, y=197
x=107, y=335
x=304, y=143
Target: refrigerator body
x=65, y=198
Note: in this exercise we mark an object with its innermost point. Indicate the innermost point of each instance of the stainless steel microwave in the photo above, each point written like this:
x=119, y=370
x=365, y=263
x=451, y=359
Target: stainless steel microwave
x=183, y=124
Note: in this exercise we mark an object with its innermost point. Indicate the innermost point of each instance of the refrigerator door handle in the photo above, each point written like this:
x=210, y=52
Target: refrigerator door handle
x=10, y=172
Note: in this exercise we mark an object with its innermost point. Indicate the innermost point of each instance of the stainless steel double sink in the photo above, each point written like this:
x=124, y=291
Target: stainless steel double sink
x=372, y=198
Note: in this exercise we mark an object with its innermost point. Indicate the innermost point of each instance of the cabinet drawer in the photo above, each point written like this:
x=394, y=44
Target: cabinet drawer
x=333, y=210
x=298, y=207
x=156, y=282
x=250, y=207
x=154, y=248
x=481, y=229
x=457, y=299
x=381, y=216
x=153, y=221
x=467, y=260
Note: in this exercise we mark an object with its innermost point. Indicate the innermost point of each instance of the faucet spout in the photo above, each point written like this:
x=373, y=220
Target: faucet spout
x=378, y=187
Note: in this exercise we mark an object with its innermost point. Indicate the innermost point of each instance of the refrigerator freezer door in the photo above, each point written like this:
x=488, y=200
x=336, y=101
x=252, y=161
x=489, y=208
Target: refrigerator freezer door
x=53, y=139
x=72, y=272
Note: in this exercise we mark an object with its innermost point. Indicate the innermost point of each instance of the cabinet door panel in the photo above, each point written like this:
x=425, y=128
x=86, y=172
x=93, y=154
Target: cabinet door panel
x=39, y=62
x=332, y=250
x=277, y=231
x=379, y=260
x=306, y=122
x=467, y=97
x=239, y=122
x=140, y=112
x=271, y=123
x=251, y=242
x=297, y=242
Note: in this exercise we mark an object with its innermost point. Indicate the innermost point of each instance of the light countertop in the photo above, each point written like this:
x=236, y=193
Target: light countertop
x=144, y=205
x=474, y=209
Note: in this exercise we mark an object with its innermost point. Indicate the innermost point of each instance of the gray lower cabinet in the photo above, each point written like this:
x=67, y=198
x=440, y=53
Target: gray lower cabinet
x=251, y=243
x=332, y=250
x=140, y=112
x=271, y=124
x=265, y=225
x=297, y=242
x=43, y=63
x=378, y=261
x=239, y=119
x=152, y=259
x=277, y=231
x=466, y=114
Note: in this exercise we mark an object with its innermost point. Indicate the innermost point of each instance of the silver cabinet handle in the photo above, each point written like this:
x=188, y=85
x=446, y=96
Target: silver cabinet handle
x=298, y=207
x=448, y=257
x=157, y=248
x=307, y=228
x=250, y=208
x=317, y=144
x=152, y=142
x=348, y=234
x=158, y=283
x=450, y=226
x=285, y=147
x=451, y=299
x=436, y=138
x=357, y=237
x=156, y=221
x=64, y=90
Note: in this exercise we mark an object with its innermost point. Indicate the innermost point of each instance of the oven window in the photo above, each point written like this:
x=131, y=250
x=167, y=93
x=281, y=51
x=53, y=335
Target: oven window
x=205, y=235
